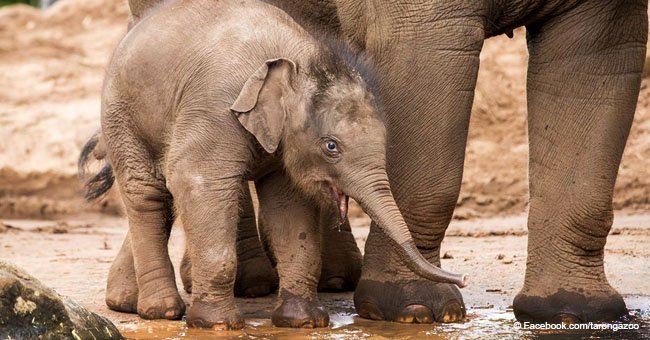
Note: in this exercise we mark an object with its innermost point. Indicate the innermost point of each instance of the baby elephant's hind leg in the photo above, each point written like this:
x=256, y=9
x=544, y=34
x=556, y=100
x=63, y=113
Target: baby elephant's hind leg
x=255, y=274
x=122, y=286
x=341, y=257
x=290, y=224
x=148, y=207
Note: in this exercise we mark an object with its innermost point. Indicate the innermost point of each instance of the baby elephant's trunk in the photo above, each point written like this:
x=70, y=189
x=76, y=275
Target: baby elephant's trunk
x=419, y=265
x=377, y=200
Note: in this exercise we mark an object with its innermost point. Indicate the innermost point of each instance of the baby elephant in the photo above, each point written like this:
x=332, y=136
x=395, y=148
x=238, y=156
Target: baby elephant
x=201, y=96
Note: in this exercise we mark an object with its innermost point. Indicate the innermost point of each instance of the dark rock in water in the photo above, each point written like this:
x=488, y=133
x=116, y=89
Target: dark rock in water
x=29, y=310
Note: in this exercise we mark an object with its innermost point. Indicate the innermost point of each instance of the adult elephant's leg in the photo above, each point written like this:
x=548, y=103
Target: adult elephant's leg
x=291, y=228
x=427, y=70
x=583, y=83
x=341, y=257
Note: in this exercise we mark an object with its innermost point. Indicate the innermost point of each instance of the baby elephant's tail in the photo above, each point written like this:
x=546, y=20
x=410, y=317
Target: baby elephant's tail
x=99, y=184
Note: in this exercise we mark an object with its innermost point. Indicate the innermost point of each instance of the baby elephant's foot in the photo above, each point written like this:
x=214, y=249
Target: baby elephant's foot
x=170, y=307
x=122, y=298
x=186, y=273
x=297, y=312
x=210, y=315
x=255, y=277
x=341, y=260
x=341, y=269
x=122, y=286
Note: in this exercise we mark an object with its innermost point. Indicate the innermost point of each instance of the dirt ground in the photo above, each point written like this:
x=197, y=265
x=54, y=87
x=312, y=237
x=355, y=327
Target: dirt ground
x=51, y=70
x=73, y=255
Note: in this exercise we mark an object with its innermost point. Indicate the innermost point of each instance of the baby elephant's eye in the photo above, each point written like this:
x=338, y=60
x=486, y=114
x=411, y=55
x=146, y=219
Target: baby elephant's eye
x=331, y=150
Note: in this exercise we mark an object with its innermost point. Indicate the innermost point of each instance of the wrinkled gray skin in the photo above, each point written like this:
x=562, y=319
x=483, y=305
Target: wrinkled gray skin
x=256, y=276
x=583, y=81
x=221, y=94
x=584, y=70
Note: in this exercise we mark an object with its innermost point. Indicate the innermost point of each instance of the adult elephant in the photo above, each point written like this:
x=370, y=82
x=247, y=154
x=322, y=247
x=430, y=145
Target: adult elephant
x=584, y=73
x=584, y=70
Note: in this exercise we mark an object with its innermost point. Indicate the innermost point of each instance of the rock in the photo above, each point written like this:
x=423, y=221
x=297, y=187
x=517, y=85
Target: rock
x=30, y=310
x=500, y=257
x=447, y=255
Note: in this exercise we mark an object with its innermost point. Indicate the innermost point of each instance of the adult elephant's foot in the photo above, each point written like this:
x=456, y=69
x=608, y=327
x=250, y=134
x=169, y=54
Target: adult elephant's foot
x=567, y=288
x=417, y=301
x=341, y=260
x=569, y=305
x=565, y=275
x=297, y=312
x=213, y=315
x=389, y=291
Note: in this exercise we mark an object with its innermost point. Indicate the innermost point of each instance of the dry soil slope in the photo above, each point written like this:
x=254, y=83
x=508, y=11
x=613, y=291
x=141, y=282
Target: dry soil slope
x=51, y=68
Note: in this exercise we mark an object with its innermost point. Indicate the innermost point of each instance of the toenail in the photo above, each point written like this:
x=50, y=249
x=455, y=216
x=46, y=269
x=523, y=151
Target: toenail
x=416, y=313
x=424, y=319
x=452, y=312
x=219, y=327
x=405, y=319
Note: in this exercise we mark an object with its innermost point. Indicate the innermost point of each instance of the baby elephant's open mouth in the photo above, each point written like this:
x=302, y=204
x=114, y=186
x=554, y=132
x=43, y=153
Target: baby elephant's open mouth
x=341, y=200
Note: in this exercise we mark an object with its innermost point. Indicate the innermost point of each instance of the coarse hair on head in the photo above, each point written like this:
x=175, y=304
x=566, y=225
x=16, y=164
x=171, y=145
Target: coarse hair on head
x=336, y=62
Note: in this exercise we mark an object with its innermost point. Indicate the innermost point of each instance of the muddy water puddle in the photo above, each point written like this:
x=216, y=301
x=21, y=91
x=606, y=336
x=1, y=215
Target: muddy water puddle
x=480, y=324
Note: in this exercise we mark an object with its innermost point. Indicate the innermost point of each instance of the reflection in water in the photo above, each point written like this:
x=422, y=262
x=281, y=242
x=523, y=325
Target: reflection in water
x=480, y=324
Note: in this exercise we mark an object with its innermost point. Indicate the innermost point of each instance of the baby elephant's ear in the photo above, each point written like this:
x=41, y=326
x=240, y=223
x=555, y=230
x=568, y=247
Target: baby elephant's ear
x=260, y=104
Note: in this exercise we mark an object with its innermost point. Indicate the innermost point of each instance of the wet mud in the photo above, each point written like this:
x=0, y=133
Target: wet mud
x=479, y=324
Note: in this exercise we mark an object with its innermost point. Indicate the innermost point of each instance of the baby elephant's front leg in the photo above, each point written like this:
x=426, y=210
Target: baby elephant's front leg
x=290, y=224
x=209, y=211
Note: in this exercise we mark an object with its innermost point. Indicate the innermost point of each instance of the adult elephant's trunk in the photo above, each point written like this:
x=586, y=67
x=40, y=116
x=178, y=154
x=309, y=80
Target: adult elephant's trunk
x=375, y=197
